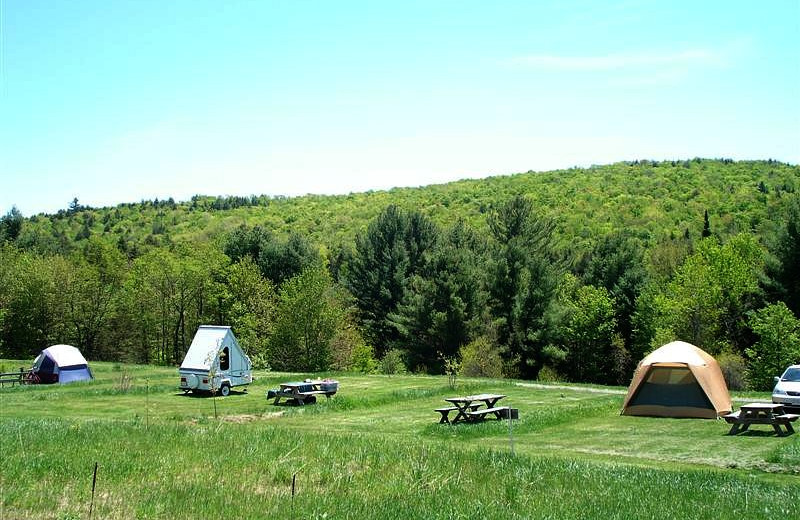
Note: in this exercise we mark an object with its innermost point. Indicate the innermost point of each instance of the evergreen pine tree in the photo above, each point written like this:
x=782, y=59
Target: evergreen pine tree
x=706, y=225
x=522, y=280
x=379, y=272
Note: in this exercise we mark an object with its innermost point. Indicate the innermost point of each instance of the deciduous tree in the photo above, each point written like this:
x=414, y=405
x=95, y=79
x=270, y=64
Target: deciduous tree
x=91, y=291
x=778, y=344
x=277, y=259
x=589, y=338
x=707, y=301
x=309, y=313
x=251, y=304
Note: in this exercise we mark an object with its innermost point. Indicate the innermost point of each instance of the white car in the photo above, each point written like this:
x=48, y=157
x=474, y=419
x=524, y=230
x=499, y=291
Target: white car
x=787, y=388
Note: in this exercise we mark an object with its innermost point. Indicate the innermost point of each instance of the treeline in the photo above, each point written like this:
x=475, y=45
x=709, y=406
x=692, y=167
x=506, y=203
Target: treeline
x=652, y=199
x=515, y=295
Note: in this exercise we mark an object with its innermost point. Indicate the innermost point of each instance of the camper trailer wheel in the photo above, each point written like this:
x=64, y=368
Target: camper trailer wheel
x=224, y=390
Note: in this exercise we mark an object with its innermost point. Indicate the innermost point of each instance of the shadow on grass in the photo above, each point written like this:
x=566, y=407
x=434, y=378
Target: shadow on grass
x=204, y=394
x=760, y=433
x=291, y=403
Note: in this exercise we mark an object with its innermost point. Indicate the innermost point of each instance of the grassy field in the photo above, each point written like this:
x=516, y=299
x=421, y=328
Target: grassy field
x=373, y=451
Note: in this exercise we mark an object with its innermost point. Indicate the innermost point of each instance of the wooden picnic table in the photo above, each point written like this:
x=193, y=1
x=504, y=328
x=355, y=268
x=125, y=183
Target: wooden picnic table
x=761, y=413
x=306, y=392
x=23, y=377
x=469, y=407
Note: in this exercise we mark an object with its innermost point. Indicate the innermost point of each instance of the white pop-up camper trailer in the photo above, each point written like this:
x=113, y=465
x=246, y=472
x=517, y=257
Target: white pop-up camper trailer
x=215, y=362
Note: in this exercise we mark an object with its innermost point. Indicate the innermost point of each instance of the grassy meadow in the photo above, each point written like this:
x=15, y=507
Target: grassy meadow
x=375, y=450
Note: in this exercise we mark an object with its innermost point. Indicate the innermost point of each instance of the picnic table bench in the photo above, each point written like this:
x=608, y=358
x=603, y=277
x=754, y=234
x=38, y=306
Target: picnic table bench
x=305, y=392
x=761, y=413
x=446, y=412
x=499, y=411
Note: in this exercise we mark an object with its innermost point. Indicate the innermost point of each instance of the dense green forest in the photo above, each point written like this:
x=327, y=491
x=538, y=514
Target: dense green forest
x=570, y=274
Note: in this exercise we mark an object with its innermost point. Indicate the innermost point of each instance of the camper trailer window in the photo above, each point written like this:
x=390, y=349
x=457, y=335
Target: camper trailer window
x=223, y=359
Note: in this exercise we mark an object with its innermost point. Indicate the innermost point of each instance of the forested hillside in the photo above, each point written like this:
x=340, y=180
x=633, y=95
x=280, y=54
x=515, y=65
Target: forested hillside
x=654, y=199
x=570, y=274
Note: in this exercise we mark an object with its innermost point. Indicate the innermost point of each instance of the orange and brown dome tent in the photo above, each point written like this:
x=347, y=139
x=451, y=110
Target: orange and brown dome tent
x=678, y=380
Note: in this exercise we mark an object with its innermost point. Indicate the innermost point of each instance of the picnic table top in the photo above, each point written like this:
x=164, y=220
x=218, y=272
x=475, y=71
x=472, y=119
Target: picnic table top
x=471, y=398
x=294, y=384
x=761, y=406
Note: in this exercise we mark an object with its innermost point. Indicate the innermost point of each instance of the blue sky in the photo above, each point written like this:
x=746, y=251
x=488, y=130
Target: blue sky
x=118, y=101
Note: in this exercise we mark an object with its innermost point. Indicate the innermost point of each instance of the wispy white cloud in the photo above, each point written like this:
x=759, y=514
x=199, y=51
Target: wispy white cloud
x=622, y=61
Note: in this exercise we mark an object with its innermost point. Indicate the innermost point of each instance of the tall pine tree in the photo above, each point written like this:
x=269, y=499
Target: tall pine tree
x=706, y=226
x=522, y=278
x=443, y=303
x=386, y=257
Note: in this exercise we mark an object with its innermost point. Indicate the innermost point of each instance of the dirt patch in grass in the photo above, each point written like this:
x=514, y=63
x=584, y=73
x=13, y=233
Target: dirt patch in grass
x=243, y=418
x=246, y=418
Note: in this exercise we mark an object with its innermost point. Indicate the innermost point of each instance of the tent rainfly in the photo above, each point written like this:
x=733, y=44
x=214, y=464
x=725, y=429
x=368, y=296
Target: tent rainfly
x=678, y=380
x=60, y=364
x=214, y=362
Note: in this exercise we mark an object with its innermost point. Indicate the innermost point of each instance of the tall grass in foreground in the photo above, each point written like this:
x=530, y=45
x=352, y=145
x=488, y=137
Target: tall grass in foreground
x=216, y=469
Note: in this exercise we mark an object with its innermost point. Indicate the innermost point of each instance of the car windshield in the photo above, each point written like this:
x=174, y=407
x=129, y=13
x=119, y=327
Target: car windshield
x=792, y=374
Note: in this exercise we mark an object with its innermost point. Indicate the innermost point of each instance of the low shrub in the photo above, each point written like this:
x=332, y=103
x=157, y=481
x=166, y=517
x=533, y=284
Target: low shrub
x=481, y=358
x=259, y=361
x=392, y=363
x=549, y=374
x=734, y=369
x=343, y=347
x=363, y=359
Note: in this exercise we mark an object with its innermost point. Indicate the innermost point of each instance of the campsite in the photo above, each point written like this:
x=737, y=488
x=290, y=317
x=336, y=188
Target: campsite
x=399, y=260
x=375, y=449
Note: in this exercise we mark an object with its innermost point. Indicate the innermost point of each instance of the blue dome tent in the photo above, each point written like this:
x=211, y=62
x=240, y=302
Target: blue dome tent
x=60, y=364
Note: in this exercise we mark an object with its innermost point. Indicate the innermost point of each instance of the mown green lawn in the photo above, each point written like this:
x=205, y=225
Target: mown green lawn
x=373, y=451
